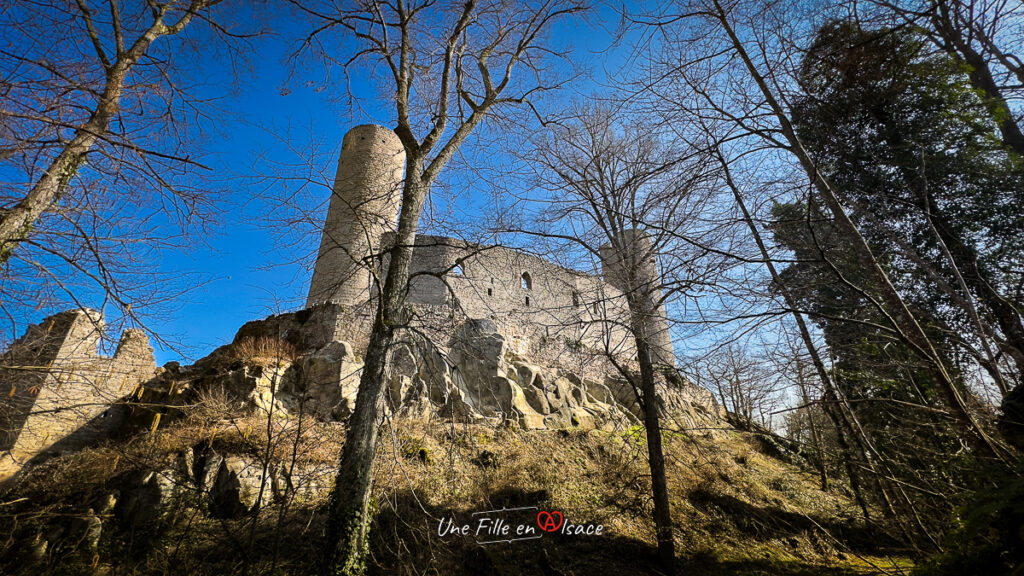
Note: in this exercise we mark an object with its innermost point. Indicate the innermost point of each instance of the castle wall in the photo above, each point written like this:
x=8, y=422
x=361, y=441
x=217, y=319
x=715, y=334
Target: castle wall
x=515, y=289
x=57, y=389
x=481, y=281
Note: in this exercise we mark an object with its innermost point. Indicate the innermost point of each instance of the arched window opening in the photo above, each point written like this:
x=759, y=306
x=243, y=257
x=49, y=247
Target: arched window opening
x=527, y=301
x=575, y=299
x=527, y=282
x=458, y=270
x=490, y=291
x=595, y=308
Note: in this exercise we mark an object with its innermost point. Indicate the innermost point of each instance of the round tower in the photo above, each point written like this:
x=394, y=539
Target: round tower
x=364, y=205
x=629, y=264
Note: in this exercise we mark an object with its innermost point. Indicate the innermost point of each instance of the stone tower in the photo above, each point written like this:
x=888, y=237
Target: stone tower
x=637, y=254
x=364, y=204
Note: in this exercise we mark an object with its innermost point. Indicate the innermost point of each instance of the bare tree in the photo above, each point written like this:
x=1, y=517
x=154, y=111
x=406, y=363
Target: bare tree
x=616, y=193
x=449, y=67
x=741, y=76
x=95, y=146
x=746, y=385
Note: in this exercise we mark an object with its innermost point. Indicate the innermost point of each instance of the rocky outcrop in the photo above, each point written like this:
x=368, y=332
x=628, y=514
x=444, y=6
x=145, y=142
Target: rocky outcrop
x=475, y=376
x=297, y=364
x=329, y=379
x=478, y=377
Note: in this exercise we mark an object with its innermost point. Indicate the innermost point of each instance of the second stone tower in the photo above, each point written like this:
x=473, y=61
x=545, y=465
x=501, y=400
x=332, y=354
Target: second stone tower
x=629, y=264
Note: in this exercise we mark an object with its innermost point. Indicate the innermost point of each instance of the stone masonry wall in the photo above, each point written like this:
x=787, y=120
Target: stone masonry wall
x=57, y=391
x=519, y=290
x=364, y=204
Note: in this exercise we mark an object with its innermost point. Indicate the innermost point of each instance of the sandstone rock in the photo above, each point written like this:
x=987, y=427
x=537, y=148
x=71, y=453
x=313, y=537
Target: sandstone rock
x=262, y=388
x=308, y=481
x=145, y=498
x=330, y=380
x=107, y=502
x=598, y=392
x=39, y=547
x=308, y=330
x=537, y=400
x=521, y=411
x=91, y=528
x=478, y=350
x=78, y=533
x=456, y=407
x=239, y=487
x=557, y=393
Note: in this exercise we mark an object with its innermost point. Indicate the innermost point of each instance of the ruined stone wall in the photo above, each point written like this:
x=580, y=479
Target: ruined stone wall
x=364, y=204
x=521, y=292
x=480, y=281
x=57, y=389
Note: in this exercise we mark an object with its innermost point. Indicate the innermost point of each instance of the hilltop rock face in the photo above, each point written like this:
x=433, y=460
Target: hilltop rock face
x=498, y=383
x=475, y=376
x=299, y=364
x=330, y=379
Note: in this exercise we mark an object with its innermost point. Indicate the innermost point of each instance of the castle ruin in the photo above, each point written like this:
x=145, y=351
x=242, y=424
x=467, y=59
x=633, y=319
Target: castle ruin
x=500, y=283
x=497, y=304
x=59, y=391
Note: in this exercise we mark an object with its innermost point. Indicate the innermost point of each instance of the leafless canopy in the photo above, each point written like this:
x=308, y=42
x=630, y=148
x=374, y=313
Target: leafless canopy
x=99, y=171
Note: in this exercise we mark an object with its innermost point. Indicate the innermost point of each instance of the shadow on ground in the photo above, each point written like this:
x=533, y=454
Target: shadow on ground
x=407, y=542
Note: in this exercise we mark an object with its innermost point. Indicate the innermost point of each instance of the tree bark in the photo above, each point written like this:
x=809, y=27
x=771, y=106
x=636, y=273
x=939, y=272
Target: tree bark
x=903, y=319
x=815, y=437
x=349, y=517
x=655, y=452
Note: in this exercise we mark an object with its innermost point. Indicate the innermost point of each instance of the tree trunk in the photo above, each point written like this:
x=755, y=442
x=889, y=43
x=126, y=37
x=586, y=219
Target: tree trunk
x=963, y=258
x=830, y=397
x=348, y=522
x=902, y=319
x=815, y=437
x=980, y=76
x=652, y=424
x=17, y=222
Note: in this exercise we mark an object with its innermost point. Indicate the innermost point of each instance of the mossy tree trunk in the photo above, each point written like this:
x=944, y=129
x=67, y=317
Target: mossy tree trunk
x=349, y=515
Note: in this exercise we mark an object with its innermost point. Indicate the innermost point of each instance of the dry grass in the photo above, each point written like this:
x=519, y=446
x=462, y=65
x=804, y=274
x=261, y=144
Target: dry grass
x=737, y=510
x=735, y=507
x=263, y=351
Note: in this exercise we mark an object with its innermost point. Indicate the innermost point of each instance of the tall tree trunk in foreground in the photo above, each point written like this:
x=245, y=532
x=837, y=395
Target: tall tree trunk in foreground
x=655, y=453
x=475, y=64
x=349, y=516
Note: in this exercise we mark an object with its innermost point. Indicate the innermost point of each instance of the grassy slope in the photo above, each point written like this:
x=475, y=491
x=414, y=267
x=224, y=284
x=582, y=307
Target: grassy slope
x=737, y=510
